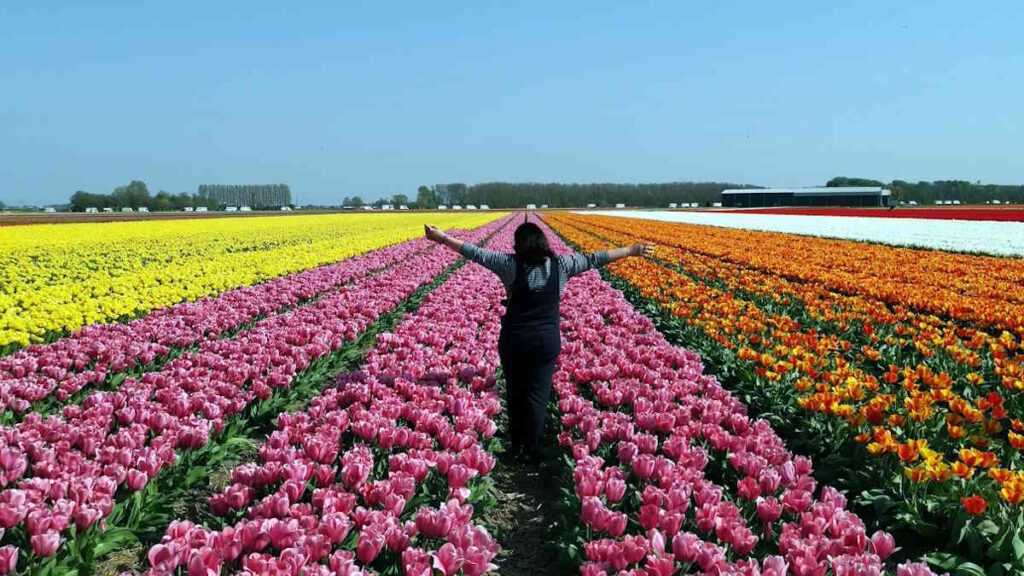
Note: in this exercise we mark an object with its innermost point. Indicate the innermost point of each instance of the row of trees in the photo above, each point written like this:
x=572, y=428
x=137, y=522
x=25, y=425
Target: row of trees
x=136, y=195
x=252, y=195
x=517, y=195
x=928, y=192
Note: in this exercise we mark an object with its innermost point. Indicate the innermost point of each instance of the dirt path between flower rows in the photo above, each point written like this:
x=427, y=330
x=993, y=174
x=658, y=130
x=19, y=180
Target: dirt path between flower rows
x=520, y=517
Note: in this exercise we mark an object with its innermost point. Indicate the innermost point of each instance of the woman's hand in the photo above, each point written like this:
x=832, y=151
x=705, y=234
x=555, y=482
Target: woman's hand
x=645, y=249
x=433, y=233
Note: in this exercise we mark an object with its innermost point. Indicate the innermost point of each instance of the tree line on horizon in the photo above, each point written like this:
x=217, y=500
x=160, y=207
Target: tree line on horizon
x=136, y=195
x=559, y=195
x=924, y=192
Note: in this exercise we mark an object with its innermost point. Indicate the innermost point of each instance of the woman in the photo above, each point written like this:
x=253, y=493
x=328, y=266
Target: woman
x=530, y=340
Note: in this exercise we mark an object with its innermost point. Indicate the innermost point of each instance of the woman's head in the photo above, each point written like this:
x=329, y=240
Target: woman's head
x=530, y=244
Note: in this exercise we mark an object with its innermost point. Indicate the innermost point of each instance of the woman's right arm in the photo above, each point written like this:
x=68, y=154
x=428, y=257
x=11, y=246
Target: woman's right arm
x=639, y=249
x=574, y=264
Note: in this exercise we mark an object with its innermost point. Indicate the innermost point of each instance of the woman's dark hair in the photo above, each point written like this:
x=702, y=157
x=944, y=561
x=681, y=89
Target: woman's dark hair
x=531, y=246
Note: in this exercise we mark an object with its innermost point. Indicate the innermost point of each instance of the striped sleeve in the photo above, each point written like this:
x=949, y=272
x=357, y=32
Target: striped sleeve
x=501, y=264
x=574, y=264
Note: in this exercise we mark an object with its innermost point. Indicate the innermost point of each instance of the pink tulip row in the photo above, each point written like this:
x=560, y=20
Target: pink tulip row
x=643, y=423
x=87, y=357
x=125, y=437
x=409, y=425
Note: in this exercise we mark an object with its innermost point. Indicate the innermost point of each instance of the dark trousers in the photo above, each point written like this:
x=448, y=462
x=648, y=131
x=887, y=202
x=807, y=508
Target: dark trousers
x=528, y=361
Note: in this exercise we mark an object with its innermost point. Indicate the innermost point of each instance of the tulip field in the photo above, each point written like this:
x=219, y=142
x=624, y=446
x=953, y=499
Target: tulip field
x=898, y=371
x=322, y=395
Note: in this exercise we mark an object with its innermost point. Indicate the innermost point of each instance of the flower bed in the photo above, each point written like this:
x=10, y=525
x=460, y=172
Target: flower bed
x=90, y=356
x=384, y=471
x=672, y=474
x=96, y=454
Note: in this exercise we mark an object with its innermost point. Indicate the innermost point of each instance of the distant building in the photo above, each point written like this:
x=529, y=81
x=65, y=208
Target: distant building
x=246, y=209
x=91, y=210
x=620, y=205
x=255, y=195
x=403, y=207
x=189, y=209
x=231, y=209
x=591, y=205
x=456, y=207
x=673, y=205
x=485, y=207
x=108, y=209
x=49, y=210
x=200, y=208
x=470, y=207
x=837, y=196
x=531, y=206
x=143, y=208
x=126, y=209
x=442, y=207
x=543, y=206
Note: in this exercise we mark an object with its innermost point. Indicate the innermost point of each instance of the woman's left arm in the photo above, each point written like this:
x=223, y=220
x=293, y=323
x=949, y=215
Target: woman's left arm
x=437, y=235
x=501, y=264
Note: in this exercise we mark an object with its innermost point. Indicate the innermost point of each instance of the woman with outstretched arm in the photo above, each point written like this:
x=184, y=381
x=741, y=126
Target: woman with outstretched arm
x=530, y=340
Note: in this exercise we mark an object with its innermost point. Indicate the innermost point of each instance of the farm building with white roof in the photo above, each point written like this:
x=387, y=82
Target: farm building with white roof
x=867, y=196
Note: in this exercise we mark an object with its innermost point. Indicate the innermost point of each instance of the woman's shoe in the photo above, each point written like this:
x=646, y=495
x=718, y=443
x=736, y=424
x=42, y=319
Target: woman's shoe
x=532, y=457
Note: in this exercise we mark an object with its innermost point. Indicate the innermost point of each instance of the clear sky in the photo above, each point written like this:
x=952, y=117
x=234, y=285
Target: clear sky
x=376, y=98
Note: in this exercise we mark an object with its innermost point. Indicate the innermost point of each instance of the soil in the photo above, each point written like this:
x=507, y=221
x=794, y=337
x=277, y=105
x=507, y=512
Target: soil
x=520, y=520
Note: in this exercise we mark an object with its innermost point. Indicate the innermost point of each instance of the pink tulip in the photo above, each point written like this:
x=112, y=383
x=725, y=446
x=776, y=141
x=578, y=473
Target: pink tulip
x=447, y=560
x=914, y=569
x=883, y=544
x=8, y=559
x=371, y=542
x=136, y=480
x=45, y=544
x=204, y=562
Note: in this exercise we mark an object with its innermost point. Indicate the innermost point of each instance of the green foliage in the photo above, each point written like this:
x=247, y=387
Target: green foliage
x=928, y=192
x=425, y=198
x=136, y=195
x=252, y=195
x=518, y=195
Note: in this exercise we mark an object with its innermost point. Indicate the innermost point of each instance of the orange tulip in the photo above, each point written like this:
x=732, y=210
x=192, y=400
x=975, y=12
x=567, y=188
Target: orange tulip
x=963, y=470
x=975, y=505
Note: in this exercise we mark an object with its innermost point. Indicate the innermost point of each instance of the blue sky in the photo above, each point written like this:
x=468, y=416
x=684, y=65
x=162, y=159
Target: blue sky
x=376, y=98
